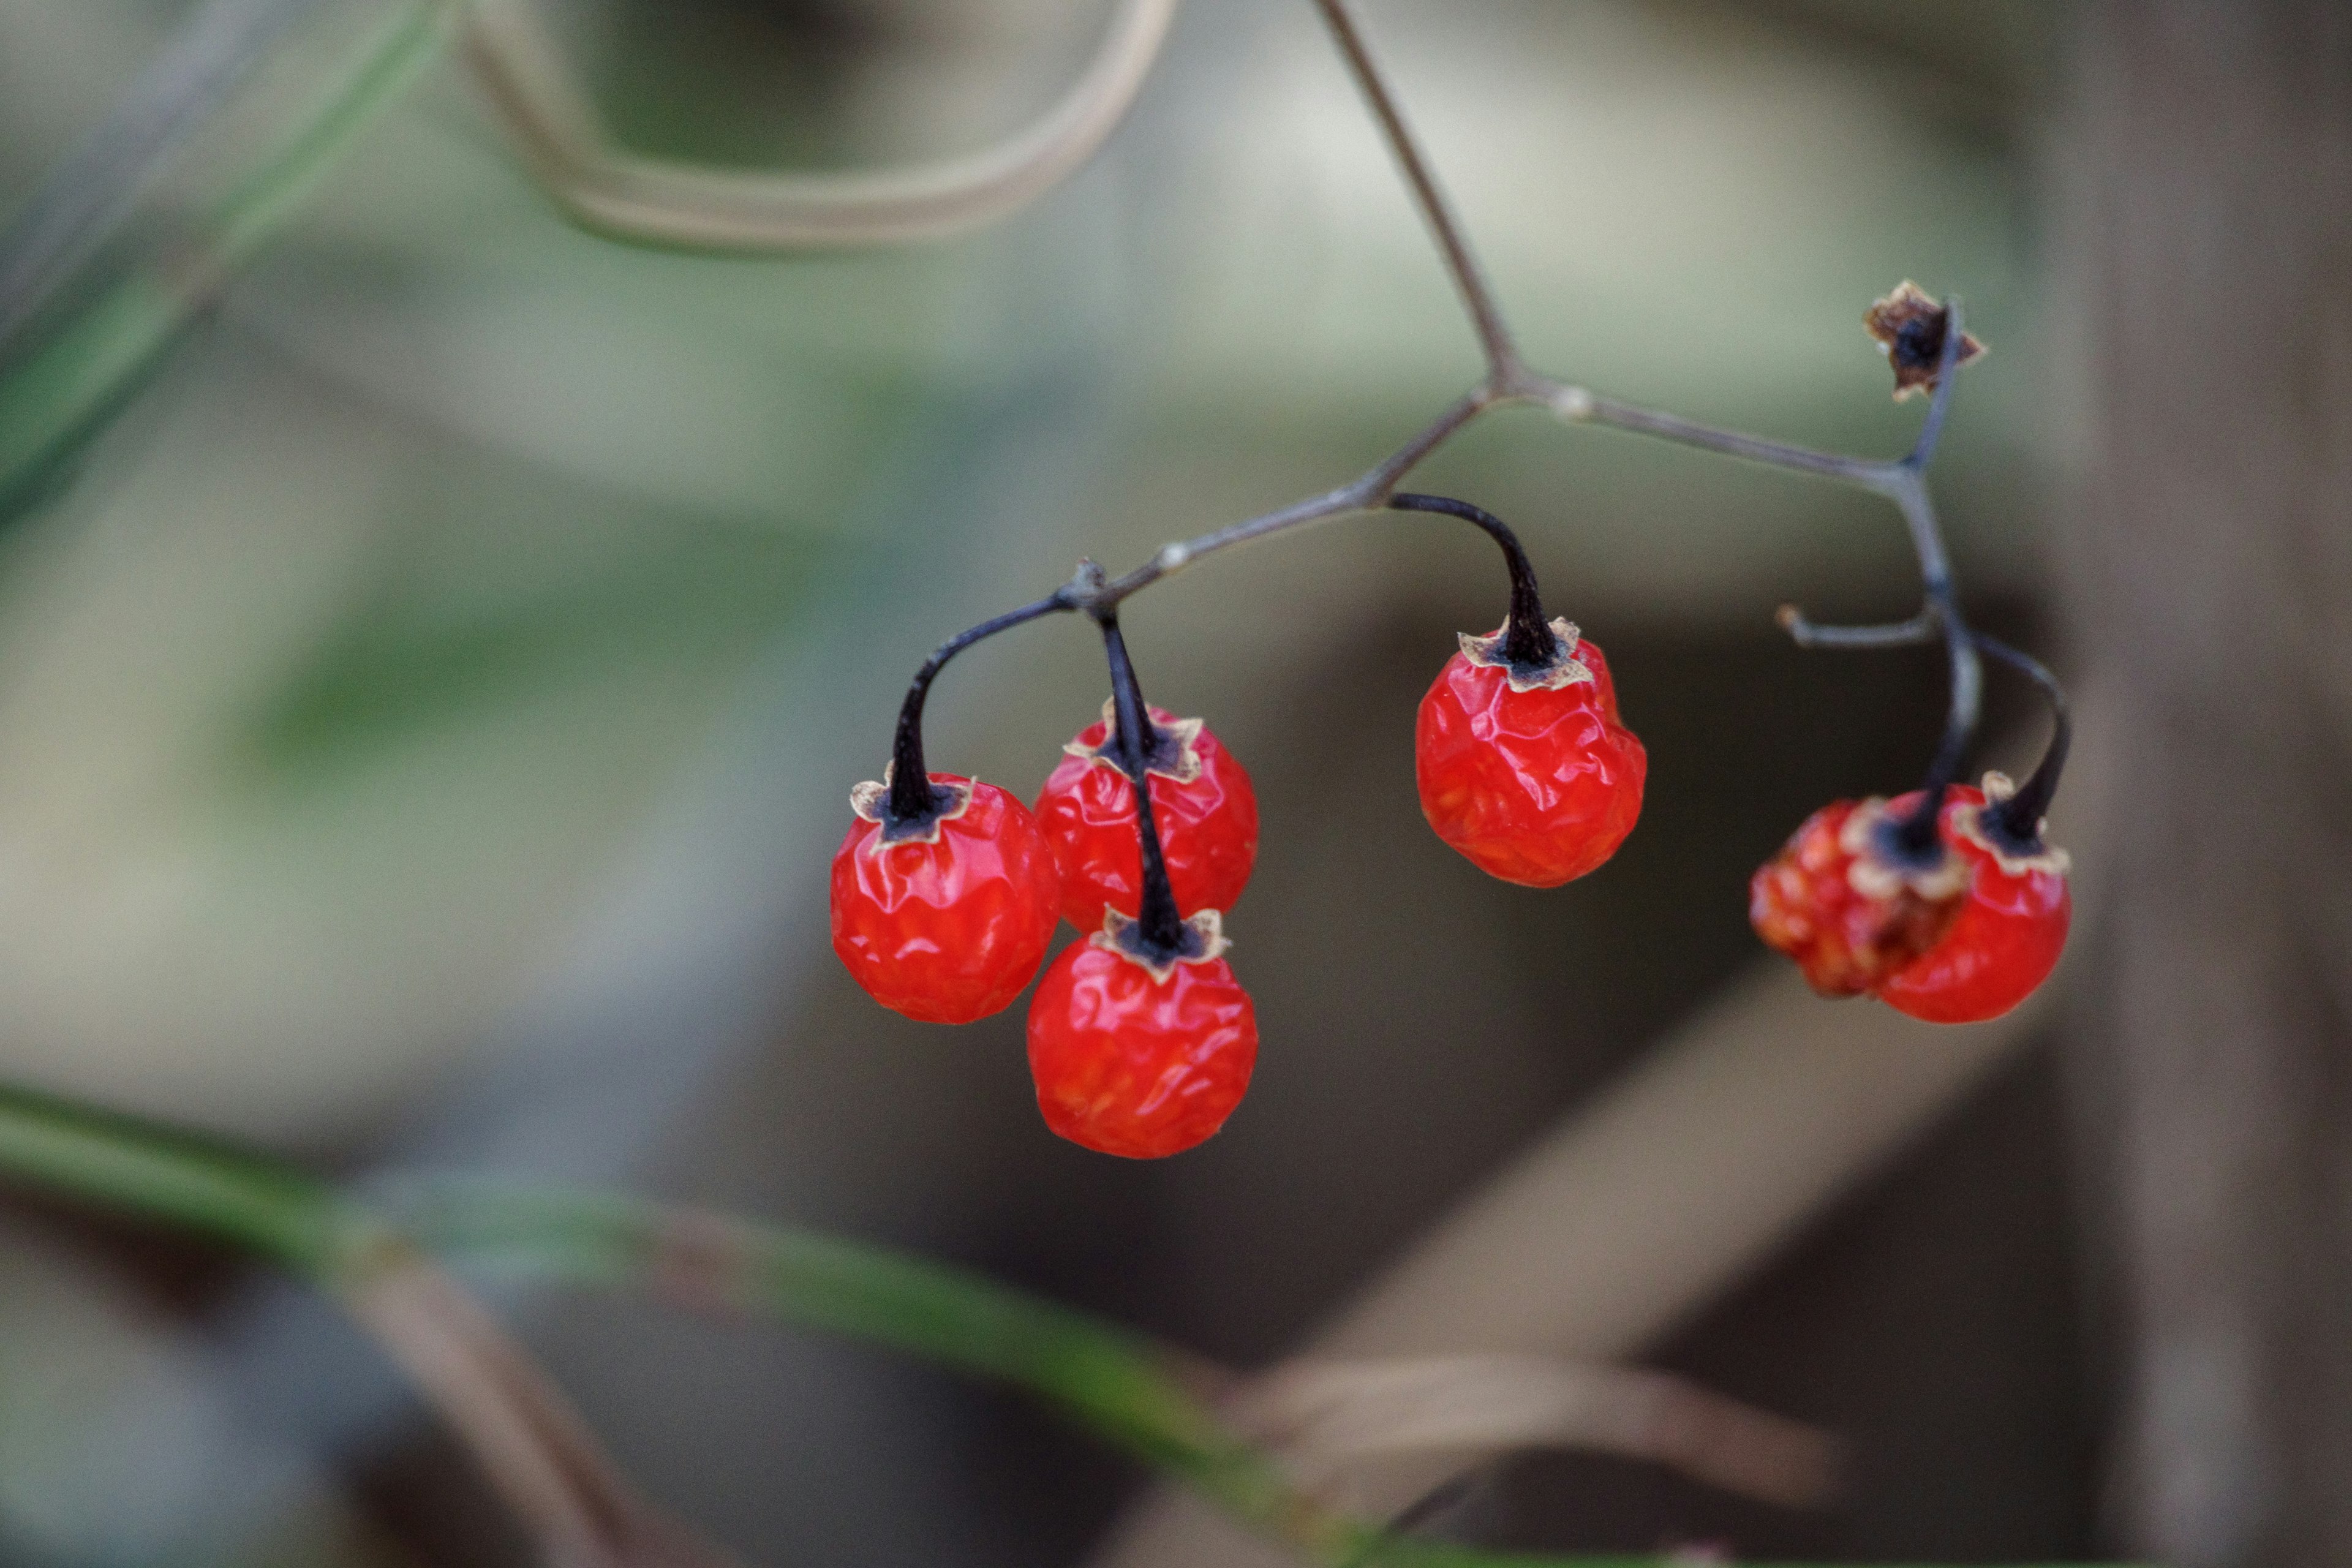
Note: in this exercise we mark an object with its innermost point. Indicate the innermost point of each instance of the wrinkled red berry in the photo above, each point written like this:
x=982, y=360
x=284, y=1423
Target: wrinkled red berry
x=1529, y=774
x=949, y=925
x=2009, y=927
x=1138, y=1059
x=1843, y=902
x=1200, y=801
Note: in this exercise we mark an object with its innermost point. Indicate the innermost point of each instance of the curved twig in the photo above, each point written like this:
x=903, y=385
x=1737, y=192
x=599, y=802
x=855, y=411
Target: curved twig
x=1326, y=1416
x=533, y=1447
x=630, y=195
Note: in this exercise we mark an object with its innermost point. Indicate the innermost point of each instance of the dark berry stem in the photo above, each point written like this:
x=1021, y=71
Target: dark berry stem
x=1919, y=833
x=2019, y=818
x=1528, y=642
x=1940, y=403
x=1908, y=487
x=1159, y=925
x=913, y=799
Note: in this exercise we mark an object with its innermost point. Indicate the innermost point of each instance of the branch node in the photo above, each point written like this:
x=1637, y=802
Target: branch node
x=1574, y=404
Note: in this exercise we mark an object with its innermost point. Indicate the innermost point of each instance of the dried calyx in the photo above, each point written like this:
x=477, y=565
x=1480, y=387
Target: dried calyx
x=1910, y=328
x=1171, y=750
x=1994, y=828
x=935, y=804
x=908, y=804
x=1889, y=860
x=1913, y=843
x=1199, y=939
x=1563, y=668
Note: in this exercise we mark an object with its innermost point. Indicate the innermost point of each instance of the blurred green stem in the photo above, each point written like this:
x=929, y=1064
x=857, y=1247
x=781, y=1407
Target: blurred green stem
x=80, y=370
x=1121, y=1385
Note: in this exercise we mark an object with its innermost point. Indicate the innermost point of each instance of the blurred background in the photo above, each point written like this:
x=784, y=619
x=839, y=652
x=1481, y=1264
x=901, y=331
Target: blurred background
x=431, y=689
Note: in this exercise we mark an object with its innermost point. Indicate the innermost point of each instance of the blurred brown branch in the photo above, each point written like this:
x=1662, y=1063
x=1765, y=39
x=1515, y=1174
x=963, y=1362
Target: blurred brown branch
x=1326, y=1418
x=532, y=1445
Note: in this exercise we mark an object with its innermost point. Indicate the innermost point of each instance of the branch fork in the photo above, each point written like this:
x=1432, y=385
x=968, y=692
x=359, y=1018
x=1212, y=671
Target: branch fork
x=1924, y=339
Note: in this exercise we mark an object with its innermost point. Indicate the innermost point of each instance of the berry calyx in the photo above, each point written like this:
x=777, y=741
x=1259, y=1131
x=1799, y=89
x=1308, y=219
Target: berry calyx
x=944, y=915
x=1138, y=1051
x=2009, y=926
x=1522, y=763
x=1851, y=899
x=1910, y=327
x=1202, y=801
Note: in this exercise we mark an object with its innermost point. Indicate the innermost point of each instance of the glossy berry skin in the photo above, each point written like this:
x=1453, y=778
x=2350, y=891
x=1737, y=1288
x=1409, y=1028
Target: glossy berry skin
x=2009, y=929
x=951, y=929
x=1200, y=801
x=1536, y=784
x=1590, y=656
x=1128, y=1063
x=1847, y=914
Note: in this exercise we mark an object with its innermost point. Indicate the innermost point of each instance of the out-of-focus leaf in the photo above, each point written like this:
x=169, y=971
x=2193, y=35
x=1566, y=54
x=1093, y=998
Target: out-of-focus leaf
x=407, y=662
x=90, y=192
x=79, y=345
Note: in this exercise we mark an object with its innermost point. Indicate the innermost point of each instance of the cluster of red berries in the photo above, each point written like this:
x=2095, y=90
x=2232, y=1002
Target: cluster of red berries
x=947, y=891
x=1142, y=1044
x=1950, y=913
x=1134, y=1051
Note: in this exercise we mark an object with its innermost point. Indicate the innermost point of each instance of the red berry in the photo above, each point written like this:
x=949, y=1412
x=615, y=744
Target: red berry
x=948, y=925
x=1847, y=904
x=1200, y=801
x=1529, y=774
x=1140, y=1059
x=2009, y=928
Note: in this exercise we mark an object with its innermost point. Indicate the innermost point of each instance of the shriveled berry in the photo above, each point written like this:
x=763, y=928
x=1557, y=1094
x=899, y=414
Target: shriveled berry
x=2009, y=927
x=1528, y=772
x=1200, y=801
x=1848, y=902
x=1137, y=1058
x=948, y=924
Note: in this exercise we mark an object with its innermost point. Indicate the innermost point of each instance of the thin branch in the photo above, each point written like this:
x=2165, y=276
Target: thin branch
x=1920, y=628
x=1577, y=406
x=1947, y=377
x=1326, y=1417
x=1902, y=480
x=555, y=127
x=1502, y=352
x=532, y=1445
x=1509, y=380
x=1370, y=489
x=1967, y=701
